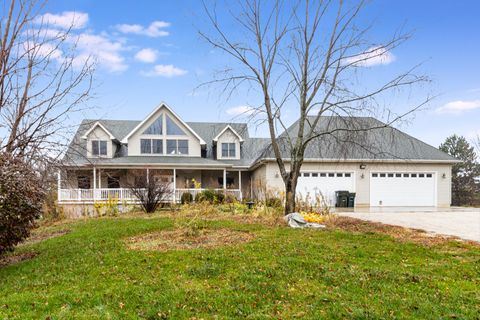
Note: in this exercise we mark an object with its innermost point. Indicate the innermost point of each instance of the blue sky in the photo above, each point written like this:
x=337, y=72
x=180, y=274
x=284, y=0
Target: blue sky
x=150, y=51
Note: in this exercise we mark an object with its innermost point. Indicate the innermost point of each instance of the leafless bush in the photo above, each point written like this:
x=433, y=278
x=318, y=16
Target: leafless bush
x=150, y=192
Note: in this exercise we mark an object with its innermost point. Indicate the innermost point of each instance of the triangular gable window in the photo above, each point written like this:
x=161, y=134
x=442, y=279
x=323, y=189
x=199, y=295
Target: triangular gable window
x=173, y=129
x=156, y=127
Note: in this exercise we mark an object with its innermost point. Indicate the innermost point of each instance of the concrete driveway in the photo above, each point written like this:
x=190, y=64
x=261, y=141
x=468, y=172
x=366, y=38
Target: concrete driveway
x=461, y=222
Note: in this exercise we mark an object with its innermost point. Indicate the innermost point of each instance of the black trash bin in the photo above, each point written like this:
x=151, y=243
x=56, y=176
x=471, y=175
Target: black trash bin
x=351, y=199
x=341, y=198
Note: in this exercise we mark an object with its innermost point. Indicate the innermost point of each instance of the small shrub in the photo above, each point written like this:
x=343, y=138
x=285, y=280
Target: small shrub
x=273, y=202
x=230, y=198
x=186, y=198
x=21, y=199
x=219, y=197
x=208, y=195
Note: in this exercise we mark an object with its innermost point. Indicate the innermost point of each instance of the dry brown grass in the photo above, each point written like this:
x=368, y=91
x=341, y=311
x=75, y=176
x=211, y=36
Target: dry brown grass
x=185, y=239
x=41, y=236
x=16, y=258
x=400, y=233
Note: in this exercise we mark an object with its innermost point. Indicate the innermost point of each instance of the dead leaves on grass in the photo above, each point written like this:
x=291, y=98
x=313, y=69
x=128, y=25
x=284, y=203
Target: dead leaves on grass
x=16, y=258
x=183, y=239
x=400, y=233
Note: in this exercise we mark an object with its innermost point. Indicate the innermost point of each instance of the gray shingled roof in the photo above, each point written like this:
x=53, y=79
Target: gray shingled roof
x=353, y=138
x=362, y=138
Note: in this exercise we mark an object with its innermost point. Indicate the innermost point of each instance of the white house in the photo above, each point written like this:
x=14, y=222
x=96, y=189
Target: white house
x=382, y=165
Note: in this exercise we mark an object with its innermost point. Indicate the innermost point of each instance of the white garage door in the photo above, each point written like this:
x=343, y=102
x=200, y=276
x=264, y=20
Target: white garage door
x=316, y=184
x=402, y=189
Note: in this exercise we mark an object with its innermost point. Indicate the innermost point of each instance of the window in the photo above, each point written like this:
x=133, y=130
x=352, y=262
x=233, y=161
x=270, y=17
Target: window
x=113, y=182
x=228, y=150
x=382, y=175
x=157, y=146
x=83, y=182
x=339, y=175
x=145, y=146
x=306, y=174
x=177, y=146
x=323, y=174
x=148, y=146
x=413, y=175
x=390, y=175
x=156, y=127
x=398, y=175
x=406, y=175
x=314, y=174
x=99, y=147
x=182, y=146
x=374, y=175
x=421, y=175
x=429, y=175
x=331, y=174
x=348, y=175
x=173, y=129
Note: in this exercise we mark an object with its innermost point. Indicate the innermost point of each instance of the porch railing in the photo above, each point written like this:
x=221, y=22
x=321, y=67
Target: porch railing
x=121, y=194
x=124, y=194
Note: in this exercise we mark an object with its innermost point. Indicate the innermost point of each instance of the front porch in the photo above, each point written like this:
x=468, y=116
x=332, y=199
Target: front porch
x=87, y=186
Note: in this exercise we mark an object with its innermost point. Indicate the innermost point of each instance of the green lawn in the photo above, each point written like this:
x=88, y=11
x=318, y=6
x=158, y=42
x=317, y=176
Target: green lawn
x=283, y=273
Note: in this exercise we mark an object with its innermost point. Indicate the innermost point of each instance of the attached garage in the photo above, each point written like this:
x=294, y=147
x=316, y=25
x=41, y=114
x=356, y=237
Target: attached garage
x=395, y=189
x=314, y=184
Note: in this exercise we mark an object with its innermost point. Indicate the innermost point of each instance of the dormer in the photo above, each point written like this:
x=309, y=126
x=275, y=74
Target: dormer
x=99, y=142
x=228, y=143
x=163, y=133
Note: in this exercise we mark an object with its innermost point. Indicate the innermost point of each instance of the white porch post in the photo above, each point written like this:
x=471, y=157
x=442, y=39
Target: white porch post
x=224, y=180
x=99, y=178
x=94, y=183
x=174, y=185
x=148, y=176
x=59, y=186
x=240, y=184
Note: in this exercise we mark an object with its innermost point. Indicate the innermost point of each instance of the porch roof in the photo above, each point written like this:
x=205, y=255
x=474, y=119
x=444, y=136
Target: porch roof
x=131, y=161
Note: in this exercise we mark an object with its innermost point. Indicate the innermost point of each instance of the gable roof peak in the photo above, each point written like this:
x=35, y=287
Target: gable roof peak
x=98, y=124
x=158, y=108
x=228, y=127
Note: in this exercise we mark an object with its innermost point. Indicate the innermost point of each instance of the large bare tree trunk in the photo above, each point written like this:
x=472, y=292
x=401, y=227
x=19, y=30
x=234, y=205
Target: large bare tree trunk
x=304, y=54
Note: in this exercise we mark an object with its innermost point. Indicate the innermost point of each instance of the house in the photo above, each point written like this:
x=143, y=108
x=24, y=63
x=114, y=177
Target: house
x=382, y=165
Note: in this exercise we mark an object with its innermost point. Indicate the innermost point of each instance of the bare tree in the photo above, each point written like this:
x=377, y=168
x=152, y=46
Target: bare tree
x=150, y=192
x=42, y=81
x=306, y=56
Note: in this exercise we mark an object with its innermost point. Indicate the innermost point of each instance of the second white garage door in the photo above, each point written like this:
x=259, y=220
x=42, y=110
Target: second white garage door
x=325, y=183
x=395, y=189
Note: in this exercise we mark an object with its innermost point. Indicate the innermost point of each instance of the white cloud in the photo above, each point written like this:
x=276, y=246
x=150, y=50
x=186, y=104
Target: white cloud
x=459, y=106
x=147, y=55
x=167, y=71
x=240, y=110
x=64, y=20
x=154, y=30
x=372, y=57
x=105, y=51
